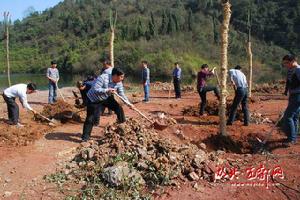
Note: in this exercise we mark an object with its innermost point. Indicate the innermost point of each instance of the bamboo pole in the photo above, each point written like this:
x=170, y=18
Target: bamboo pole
x=249, y=51
x=224, y=65
x=6, y=25
x=113, y=21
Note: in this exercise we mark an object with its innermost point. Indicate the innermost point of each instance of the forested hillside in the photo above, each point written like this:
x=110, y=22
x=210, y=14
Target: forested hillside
x=76, y=33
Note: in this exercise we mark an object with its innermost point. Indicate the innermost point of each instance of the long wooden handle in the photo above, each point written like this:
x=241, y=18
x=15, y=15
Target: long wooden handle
x=60, y=92
x=134, y=108
x=46, y=118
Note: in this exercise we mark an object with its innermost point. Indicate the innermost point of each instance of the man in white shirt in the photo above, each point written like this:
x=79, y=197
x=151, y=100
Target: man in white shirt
x=17, y=91
x=239, y=82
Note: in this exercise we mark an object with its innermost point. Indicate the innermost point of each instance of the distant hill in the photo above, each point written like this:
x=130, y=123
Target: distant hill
x=76, y=33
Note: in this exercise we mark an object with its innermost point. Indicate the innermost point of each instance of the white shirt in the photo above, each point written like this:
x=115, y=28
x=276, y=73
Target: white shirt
x=238, y=78
x=19, y=91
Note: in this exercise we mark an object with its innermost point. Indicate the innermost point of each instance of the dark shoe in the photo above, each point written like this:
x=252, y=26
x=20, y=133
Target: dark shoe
x=84, y=140
x=229, y=123
x=246, y=124
x=288, y=143
x=12, y=123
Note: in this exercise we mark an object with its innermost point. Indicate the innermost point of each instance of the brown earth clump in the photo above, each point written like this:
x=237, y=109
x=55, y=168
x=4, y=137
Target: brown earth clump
x=23, y=136
x=62, y=111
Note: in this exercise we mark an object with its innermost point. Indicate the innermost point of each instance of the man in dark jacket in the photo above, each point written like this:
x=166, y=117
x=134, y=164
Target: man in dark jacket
x=291, y=114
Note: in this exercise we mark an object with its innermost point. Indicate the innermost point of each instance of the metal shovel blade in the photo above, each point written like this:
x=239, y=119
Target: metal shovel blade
x=159, y=126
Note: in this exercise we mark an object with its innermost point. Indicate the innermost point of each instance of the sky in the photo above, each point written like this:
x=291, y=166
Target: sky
x=18, y=8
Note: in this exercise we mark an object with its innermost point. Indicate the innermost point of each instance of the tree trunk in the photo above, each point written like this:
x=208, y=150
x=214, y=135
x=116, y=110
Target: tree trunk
x=249, y=51
x=224, y=63
x=6, y=25
x=111, y=46
x=250, y=67
x=112, y=21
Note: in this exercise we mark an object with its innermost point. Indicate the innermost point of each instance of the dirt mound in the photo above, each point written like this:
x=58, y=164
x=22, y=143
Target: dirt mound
x=14, y=136
x=62, y=111
x=146, y=159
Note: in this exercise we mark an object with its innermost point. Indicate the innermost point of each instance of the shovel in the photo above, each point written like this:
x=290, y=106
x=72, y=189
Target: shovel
x=70, y=114
x=60, y=92
x=52, y=121
x=156, y=125
x=262, y=144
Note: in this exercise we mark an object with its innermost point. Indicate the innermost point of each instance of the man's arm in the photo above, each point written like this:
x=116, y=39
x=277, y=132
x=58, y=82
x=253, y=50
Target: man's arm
x=23, y=100
x=48, y=75
x=121, y=92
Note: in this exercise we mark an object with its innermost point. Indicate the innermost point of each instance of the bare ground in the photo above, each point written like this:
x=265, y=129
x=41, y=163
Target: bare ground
x=37, y=150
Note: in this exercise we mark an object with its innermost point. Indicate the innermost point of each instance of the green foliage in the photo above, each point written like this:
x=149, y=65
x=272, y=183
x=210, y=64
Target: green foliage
x=76, y=33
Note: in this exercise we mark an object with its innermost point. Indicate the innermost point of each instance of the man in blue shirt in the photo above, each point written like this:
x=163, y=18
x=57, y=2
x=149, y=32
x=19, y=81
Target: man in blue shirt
x=176, y=80
x=146, y=80
x=291, y=114
x=240, y=85
x=101, y=95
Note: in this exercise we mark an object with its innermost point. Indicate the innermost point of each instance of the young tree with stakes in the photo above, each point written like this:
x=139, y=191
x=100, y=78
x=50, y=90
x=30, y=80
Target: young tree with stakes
x=224, y=65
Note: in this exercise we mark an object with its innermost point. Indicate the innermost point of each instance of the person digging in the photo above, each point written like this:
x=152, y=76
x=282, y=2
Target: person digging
x=17, y=91
x=202, y=87
x=239, y=81
x=292, y=112
x=101, y=95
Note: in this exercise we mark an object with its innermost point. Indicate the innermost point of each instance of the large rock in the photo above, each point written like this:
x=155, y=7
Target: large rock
x=120, y=174
x=199, y=158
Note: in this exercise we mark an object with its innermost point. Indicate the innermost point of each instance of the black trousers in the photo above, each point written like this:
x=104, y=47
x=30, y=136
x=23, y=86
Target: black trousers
x=202, y=92
x=94, y=108
x=12, y=108
x=177, y=89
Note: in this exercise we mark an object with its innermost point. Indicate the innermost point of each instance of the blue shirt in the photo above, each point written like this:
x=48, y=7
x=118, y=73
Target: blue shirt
x=177, y=73
x=146, y=75
x=238, y=78
x=99, y=90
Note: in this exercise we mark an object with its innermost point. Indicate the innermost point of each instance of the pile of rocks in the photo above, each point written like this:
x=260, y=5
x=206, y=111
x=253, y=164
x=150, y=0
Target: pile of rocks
x=132, y=152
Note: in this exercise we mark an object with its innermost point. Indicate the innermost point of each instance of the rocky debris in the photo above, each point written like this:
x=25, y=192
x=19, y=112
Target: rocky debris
x=164, y=119
x=60, y=111
x=193, y=176
x=131, y=151
x=258, y=118
x=270, y=88
x=7, y=194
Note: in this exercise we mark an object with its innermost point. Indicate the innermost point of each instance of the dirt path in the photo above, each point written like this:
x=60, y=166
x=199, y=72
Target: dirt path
x=23, y=168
